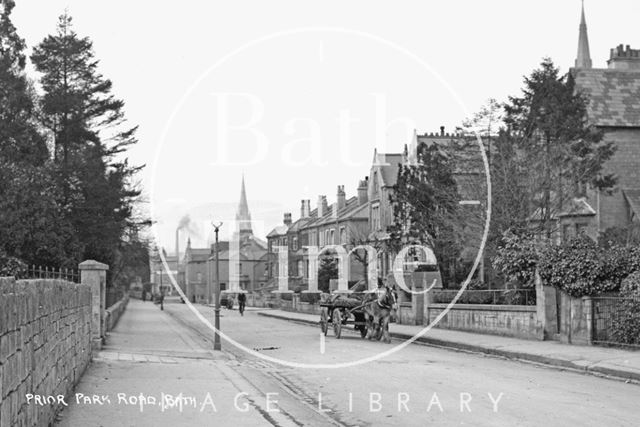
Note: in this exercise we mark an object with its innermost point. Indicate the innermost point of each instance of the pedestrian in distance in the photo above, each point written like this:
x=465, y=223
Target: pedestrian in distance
x=242, y=300
x=161, y=300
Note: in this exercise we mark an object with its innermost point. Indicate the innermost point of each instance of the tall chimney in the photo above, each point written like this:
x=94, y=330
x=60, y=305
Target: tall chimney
x=341, y=198
x=303, y=209
x=323, y=209
x=177, y=249
x=441, y=130
x=363, y=188
x=287, y=219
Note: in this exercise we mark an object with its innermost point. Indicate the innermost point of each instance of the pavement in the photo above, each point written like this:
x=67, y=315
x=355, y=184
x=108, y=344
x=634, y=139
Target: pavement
x=602, y=361
x=154, y=371
x=157, y=368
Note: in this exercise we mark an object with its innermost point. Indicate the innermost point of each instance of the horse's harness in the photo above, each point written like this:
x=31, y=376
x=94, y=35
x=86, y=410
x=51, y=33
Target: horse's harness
x=382, y=300
x=387, y=300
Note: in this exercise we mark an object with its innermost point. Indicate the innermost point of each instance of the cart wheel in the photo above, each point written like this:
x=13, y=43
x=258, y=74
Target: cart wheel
x=324, y=322
x=337, y=323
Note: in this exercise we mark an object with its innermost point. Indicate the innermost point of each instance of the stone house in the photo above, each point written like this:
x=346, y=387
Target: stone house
x=614, y=108
x=196, y=273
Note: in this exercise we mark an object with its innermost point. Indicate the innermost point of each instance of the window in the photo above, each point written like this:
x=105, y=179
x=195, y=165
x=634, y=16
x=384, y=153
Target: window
x=375, y=184
x=300, y=271
x=199, y=277
x=375, y=217
x=326, y=237
x=332, y=236
x=581, y=228
x=295, y=243
x=343, y=236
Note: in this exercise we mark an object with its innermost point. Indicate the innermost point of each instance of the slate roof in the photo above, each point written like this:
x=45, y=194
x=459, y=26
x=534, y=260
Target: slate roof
x=347, y=212
x=614, y=96
x=578, y=207
x=279, y=230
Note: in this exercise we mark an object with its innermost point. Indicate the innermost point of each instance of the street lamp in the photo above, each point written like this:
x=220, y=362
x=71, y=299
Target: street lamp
x=216, y=291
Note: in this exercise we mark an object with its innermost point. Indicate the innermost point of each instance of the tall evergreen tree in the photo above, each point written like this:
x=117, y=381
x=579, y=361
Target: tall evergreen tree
x=20, y=140
x=88, y=129
x=32, y=226
x=425, y=207
x=563, y=154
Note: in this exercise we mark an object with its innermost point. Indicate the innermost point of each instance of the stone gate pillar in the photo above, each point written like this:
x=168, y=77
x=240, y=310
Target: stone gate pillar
x=94, y=274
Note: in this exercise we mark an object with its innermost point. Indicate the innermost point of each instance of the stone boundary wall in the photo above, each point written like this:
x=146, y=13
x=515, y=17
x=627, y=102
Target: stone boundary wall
x=519, y=321
x=274, y=301
x=113, y=313
x=45, y=345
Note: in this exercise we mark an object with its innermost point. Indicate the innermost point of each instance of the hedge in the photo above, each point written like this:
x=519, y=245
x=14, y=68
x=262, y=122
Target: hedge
x=581, y=268
x=626, y=321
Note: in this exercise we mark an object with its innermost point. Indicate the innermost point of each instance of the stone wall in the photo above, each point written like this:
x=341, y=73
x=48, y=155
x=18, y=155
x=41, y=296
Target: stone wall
x=520, y=321
x=113, y=313
x=45, y=345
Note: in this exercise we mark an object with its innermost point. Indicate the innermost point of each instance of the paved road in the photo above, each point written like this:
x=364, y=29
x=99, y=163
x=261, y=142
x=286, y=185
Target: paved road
x=419, y=385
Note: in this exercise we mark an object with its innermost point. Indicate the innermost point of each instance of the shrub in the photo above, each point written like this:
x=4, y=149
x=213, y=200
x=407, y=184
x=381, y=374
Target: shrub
x=286, y=296
x=310, y=297
x=11, y=266
x=580, y=268
x=626, y=322
x=517, y=258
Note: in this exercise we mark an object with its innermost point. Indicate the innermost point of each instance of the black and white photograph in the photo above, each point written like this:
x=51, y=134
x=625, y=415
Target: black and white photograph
x=319, y=213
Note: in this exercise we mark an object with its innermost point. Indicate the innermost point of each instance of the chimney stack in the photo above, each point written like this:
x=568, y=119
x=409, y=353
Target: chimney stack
x=624, y=58
x=441, y=130
x=341, y=197
x=287, y=219
x=363, y=188
x=305, y=208
x=323, y=209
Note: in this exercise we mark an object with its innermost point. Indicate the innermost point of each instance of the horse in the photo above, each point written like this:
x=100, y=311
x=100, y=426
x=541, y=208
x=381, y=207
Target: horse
x=378, y=309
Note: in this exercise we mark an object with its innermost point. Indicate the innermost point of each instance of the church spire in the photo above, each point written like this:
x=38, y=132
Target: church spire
x=243, y=216
x=584, y=57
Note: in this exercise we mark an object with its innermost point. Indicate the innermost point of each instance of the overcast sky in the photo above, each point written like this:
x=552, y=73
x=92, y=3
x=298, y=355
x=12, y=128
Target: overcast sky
x=297, y=94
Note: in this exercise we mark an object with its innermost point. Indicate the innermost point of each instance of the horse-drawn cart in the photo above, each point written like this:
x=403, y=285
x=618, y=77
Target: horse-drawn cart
x=342, y=310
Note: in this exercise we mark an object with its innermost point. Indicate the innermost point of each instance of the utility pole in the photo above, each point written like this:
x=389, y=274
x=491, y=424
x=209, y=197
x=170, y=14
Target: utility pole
x=216, y=291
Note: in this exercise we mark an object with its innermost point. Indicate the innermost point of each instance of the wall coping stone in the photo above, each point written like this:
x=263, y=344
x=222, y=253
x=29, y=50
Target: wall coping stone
x=486, y=307
x=92, y=265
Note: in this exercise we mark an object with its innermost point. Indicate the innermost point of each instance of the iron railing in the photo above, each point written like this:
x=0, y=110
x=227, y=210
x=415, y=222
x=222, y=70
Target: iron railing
x=607, y=311
x=486, y=296
x=40, y=272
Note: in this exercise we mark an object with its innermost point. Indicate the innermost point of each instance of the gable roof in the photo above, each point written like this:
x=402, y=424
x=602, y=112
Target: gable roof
x=614, y=96
x=388, y=165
